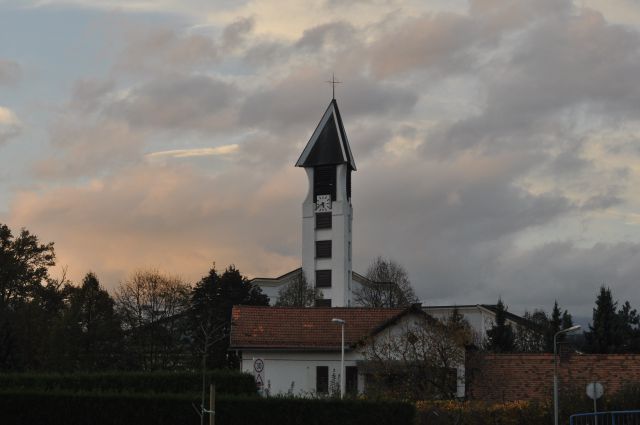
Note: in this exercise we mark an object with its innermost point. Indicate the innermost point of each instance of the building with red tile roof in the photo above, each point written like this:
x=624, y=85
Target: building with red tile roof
x=298, y=350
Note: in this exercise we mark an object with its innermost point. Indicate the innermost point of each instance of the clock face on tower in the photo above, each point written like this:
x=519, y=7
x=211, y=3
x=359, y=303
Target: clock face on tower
x=323, y=203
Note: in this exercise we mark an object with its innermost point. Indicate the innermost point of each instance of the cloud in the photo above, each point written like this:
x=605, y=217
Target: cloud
x=571, y=273
x=10, y=125
x=90, y=148
x=496, y=145
x=273, y=107
x=236, y=33
x=10, y=72
x=186, y=102
x=170, y=217
x=157, y=50
x=195, y=152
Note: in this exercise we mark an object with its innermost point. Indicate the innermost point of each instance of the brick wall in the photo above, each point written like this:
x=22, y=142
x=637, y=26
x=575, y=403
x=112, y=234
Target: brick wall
x=508, y=377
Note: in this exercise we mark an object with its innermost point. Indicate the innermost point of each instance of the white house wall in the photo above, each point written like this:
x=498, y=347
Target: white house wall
x=286, y=370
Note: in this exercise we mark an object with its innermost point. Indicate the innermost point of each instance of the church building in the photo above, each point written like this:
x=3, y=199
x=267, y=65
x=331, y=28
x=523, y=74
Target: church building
x=327, y=217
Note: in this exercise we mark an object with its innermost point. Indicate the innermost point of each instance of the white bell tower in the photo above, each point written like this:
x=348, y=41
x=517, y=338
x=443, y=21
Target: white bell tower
x=326, y=211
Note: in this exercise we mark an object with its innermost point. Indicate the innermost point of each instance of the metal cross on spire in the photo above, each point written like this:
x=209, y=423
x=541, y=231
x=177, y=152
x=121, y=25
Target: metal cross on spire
x=333, y=83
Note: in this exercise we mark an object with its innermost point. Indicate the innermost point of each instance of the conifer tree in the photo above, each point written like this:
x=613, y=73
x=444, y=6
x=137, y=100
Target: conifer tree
x=501, y=338
x=212, y=299
x=604, y=332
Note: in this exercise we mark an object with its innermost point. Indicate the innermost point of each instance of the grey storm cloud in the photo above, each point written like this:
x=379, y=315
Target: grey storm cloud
x=571, y=274
x=565, y=62
x=452, y=224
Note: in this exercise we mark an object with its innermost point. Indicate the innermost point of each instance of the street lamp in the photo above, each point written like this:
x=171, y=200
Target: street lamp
x=341, y=322
x=555, y=368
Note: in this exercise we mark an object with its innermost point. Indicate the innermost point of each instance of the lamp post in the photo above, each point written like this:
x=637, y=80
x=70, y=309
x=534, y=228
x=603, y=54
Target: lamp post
x=341, y=322
x=555, y=368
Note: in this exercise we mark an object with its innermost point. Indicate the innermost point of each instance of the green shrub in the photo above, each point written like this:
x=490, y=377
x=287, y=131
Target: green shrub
x=295, y=411
x=17, y=408
x=22, y=407
x=227, y=382
x=480, y=413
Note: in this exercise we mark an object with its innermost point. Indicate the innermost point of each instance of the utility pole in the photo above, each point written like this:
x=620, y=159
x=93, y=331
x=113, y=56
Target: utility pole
x=212, y=404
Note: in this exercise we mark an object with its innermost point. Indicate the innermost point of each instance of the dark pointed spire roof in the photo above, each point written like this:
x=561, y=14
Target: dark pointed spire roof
x=328, y=144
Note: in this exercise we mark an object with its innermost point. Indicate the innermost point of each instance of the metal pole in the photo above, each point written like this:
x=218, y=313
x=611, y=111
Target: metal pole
x=342, y=366
x=212, y=404
x=555, y=380
x=555, y=368
x=204, y=365
x=595, y=406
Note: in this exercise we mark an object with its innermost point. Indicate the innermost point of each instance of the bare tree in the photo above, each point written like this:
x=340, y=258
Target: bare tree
x=421, y=360
x=389, y=286
x=150, y=305
x=298, y=293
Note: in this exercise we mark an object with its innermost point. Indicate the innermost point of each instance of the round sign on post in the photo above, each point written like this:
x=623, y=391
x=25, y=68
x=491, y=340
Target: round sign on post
x=595, y=390
x=258, y=365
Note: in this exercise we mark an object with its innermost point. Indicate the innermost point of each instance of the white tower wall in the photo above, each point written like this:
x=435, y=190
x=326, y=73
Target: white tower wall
x=340, y=236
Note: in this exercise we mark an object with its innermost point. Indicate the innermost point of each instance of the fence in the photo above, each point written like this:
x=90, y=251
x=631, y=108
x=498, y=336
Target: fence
x=622, y=417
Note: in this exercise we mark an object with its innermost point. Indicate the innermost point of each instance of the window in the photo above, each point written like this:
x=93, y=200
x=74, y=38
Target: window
x=322, y=379
x=351, y=380
x=323, y=302
x=323, y=249
x=324, y=181
x=323, y=278
x=323, y=220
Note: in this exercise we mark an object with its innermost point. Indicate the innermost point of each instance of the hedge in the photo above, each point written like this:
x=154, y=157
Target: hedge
x=480, y=413
x=227, y=382
x=22, y=407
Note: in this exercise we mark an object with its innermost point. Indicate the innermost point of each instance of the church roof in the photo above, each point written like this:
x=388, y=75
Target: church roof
x=293, y=328
x=328, y=144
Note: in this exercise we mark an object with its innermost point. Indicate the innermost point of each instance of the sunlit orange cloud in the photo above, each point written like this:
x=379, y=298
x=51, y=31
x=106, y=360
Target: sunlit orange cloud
x=169, y=218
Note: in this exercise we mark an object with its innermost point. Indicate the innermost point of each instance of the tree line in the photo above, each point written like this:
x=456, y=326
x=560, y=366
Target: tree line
x=613, y=329
x=152, y=322
x=157, y=321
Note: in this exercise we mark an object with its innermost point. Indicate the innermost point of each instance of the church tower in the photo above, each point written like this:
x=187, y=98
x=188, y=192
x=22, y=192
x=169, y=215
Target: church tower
x=326, y=211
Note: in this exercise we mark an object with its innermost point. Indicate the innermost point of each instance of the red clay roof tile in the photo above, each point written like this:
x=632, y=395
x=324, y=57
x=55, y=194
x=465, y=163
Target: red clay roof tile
x=303, y=328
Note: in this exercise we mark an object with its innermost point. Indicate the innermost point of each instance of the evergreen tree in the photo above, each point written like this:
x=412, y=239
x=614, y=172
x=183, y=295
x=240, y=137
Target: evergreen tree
x=210, y=316
x=554, y=325
x=604, y=334
x=629, y=328
x=90, y=333
x=501, y=338
x=567, y=320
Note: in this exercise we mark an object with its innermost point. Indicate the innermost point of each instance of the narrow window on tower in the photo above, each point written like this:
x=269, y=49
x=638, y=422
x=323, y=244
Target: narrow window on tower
x=323, y=220
x=349, y=184
x=324, y=181
x=323, y=278
x=323, y=249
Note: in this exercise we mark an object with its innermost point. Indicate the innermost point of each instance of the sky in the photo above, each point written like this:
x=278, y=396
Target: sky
x=496, y=140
